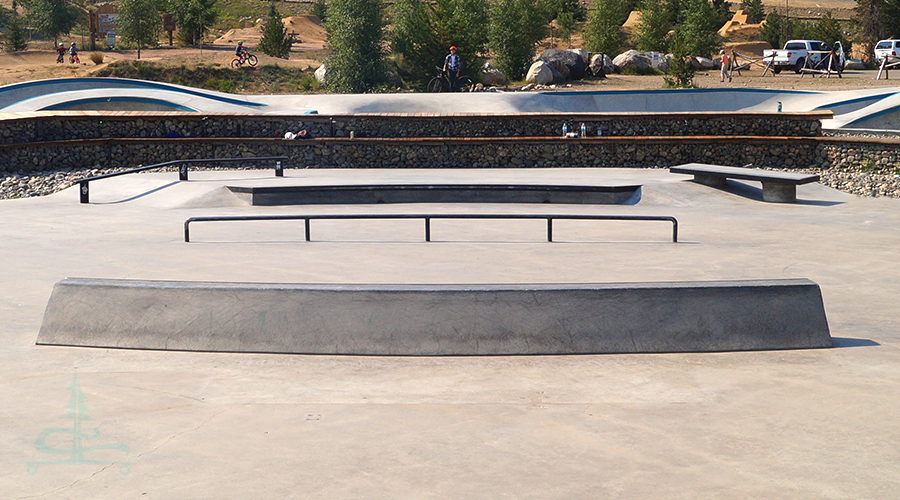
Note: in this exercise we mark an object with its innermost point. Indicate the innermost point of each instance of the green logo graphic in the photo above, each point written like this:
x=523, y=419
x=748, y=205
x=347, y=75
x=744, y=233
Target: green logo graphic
x=75, y=455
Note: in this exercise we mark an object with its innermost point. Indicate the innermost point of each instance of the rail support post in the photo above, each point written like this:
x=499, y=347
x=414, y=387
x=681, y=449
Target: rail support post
x=279, y=171
x=306, y=227
x=183, y=172
x=85, y=192
x=427, y=228
x=549, y=228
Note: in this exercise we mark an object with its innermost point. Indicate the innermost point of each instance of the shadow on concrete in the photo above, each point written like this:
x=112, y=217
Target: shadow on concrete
x=139, y=196
x=755, y=193
x=848, y=342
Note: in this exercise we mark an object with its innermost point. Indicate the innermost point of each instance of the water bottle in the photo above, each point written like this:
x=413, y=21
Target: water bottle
x=583, y=131
x=565, y=129
x=779, y=106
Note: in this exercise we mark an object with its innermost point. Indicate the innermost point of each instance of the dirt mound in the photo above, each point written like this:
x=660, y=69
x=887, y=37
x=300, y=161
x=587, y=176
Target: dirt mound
x=749, y=48
x=308, y=29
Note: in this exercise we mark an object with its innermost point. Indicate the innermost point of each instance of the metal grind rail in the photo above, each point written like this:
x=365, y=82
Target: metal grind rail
x=427, y=217
x=84, y=188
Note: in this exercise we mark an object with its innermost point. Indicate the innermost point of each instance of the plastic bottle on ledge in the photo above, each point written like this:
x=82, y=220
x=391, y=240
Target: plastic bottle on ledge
x=565, y=129
x=583, y=130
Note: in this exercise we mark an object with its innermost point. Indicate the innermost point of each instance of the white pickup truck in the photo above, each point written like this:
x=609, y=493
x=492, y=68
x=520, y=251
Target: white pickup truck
x=796, y=53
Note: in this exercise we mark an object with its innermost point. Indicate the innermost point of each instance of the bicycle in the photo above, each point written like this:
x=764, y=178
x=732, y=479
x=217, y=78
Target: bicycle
x=239, y=61
x=441, y=83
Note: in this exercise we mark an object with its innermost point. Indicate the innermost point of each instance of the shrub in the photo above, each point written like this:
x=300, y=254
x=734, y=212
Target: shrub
x=275, y=41
x=97, y=57
x=356, y=37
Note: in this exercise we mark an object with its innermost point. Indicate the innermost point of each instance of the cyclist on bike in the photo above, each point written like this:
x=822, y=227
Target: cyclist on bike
x=60, y=53
x=452, y=65
x=73, y=54
x=240, y=51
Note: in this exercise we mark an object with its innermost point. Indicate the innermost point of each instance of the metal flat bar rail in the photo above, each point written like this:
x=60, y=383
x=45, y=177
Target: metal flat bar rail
x=84, y=188
x=427, y=217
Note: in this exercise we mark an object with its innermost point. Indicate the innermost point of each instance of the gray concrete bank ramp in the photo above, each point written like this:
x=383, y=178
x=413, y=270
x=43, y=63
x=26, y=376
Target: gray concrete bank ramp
x=437, y=319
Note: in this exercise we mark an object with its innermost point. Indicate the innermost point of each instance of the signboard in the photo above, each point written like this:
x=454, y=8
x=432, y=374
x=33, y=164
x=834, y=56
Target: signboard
x=106, y=23
x=168, y=21
x=110, y=39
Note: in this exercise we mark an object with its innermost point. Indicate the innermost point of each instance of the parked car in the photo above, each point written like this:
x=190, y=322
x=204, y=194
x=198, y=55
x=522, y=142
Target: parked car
x=795, y=54
x=886, y=49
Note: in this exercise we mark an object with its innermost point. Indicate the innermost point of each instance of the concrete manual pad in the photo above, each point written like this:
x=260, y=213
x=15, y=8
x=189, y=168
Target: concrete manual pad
x=435, y=320
x=785, y=424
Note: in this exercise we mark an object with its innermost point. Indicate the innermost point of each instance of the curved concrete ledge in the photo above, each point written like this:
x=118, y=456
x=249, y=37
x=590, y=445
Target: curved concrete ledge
x=437, y=319
x=437, y=193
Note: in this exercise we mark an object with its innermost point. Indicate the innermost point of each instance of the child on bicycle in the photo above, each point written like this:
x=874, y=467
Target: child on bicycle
x=60, y=53
x=240, y=51
x=73, y=54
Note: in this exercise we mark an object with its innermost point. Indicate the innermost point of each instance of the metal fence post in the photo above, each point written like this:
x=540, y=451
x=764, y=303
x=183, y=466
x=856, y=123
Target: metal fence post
x=549, y=229
x=427, y=228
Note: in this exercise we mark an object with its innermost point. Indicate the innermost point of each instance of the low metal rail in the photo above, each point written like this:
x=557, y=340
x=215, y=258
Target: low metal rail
x=427, y=217
x=84, y=188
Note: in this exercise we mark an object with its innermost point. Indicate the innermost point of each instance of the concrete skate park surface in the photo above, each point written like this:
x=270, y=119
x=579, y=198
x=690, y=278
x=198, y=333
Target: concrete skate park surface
x=763, y=424
x=875, y=109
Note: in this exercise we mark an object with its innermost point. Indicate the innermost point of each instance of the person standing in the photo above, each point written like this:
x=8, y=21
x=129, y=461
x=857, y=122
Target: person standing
x=452, y=65
x=726, y=66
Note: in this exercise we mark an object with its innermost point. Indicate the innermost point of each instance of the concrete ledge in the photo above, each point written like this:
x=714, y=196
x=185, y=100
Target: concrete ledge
x=436, y=193
x=437, y=319
x=777, y=187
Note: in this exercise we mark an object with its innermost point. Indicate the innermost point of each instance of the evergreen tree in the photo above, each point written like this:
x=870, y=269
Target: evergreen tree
x=319, y=10
x=356, y=38
x=828, y=29
x=139, y=22
x=515, y=28
x=774, y=32
x=275, y=41
x=754, y=10
x=603, y=32
x=652, y=29
x=51, y=18
x=193, y=18
x=695, y=36
x=15, y=35
x=422, y=32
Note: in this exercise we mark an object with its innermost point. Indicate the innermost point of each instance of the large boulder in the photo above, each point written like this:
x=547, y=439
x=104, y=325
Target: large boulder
x=601, y=64
x=569, y=64
x=854, y=64
x=539, y=73
x=491, y=76
x=633, y=60
x=585, y=57
x=320, y=75
x=702, y=63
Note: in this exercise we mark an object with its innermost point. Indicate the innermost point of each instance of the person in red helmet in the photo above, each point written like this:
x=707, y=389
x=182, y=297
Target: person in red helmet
x=452, y=65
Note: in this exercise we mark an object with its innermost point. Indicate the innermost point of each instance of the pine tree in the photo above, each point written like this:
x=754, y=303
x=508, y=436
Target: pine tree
x=356, y=38
x=15, y=36
x=516, y=26
x=603, y=32
x=275, y=41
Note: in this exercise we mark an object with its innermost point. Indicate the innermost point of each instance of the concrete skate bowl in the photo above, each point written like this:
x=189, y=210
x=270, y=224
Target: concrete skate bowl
x=116, y=94
x=435, y=319
x=873, y=109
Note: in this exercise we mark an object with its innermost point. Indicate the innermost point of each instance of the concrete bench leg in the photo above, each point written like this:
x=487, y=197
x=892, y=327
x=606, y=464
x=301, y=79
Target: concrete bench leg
x=779, y=193
x=711, y=180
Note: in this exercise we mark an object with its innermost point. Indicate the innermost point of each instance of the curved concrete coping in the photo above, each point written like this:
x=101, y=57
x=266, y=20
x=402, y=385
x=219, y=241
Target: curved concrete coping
x=437, y=319
x=437, y=193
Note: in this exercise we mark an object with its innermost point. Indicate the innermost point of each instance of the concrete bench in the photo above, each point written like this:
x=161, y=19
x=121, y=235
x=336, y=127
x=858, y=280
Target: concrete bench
x=778, y=187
